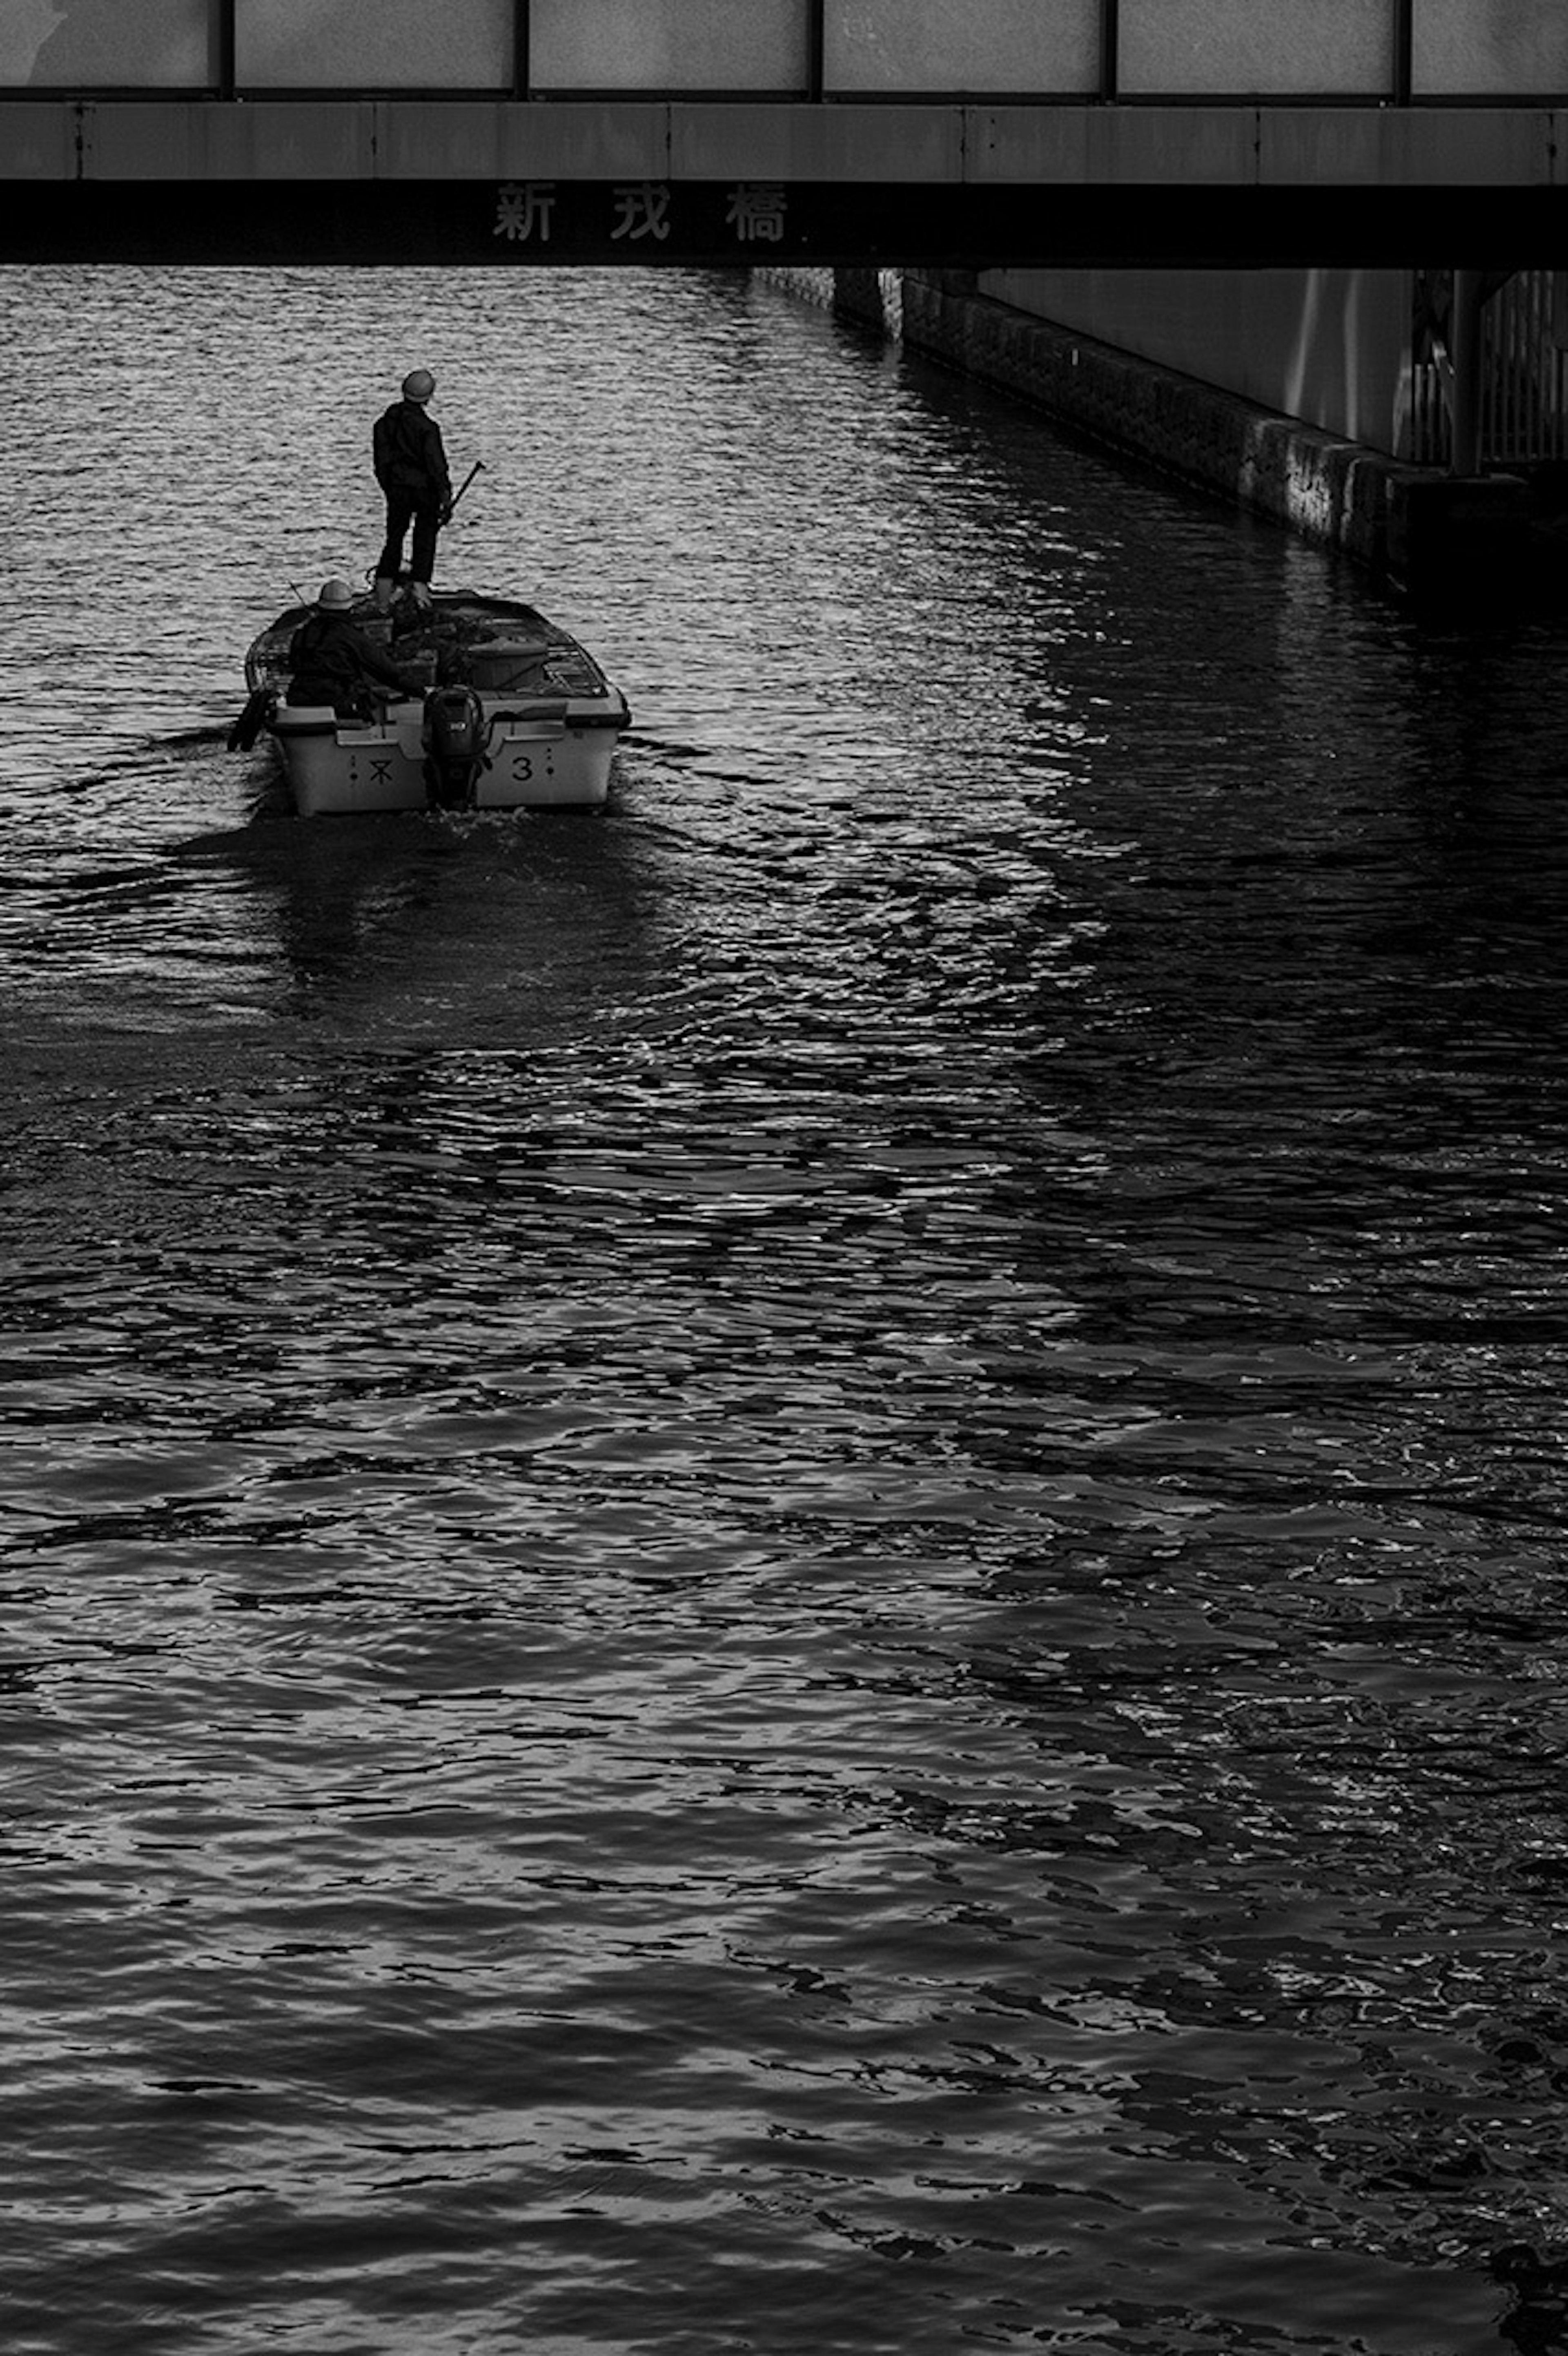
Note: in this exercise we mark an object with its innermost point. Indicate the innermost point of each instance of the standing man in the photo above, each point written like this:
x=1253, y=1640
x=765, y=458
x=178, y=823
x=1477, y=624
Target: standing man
x=411, y=467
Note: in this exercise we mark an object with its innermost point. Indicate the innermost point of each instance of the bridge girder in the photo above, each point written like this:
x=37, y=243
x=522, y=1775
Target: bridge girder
x=934, y=185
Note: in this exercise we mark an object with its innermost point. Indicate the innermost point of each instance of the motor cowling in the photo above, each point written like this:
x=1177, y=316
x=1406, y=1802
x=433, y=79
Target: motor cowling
x=453, y=739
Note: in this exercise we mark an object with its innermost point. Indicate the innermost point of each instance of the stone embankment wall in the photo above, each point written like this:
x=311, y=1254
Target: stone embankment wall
x=1413, y=527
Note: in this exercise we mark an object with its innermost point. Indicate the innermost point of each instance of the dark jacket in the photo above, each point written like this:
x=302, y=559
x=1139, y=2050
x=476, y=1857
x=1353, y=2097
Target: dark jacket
x=333, y=662
x=409, y=455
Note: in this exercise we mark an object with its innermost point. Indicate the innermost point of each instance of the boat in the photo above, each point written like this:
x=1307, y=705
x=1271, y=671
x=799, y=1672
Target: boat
x=510, y=713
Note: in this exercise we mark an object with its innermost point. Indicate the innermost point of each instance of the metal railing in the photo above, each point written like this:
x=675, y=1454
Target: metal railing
x=1524, y=391
x=1523, y=380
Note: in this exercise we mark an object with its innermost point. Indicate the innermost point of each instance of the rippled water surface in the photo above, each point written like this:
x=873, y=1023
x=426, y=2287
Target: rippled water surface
x=784, y=1573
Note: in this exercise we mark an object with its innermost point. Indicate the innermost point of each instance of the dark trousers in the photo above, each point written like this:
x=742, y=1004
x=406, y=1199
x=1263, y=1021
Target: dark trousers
x=404, y=507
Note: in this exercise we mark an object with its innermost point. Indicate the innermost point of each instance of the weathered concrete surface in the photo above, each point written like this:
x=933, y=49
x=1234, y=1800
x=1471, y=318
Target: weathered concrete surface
x=1520, y=148
x=1413, y=527
x=1331, y=346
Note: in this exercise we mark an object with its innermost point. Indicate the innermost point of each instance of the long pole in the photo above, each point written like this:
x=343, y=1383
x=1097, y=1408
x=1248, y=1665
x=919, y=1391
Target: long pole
x=476, y=468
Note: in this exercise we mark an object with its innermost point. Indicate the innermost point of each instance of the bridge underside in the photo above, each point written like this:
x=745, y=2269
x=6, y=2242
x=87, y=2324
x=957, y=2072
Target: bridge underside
x=914, y=226
x=936, y=184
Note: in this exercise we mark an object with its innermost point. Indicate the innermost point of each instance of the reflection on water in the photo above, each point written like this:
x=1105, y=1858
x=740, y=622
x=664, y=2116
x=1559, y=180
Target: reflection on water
x=783, y=1571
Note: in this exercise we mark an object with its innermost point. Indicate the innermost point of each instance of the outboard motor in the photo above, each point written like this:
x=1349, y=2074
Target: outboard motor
x=453, y=739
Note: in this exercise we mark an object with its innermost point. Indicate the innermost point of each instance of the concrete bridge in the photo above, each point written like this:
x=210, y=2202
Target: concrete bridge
x=908, y=132
x=1380, y=168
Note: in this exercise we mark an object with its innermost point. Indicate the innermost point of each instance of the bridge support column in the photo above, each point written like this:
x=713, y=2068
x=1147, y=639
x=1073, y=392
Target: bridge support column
x=1465, y=353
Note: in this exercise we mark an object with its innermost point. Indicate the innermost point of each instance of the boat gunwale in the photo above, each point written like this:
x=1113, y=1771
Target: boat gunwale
x=266, y=668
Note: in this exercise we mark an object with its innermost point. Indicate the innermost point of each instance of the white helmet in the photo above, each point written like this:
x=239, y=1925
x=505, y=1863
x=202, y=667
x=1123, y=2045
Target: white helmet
x=335, y=597
x=419, y=385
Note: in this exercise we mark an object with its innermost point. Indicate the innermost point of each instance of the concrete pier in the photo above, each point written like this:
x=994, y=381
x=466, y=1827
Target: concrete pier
x=1423, y=533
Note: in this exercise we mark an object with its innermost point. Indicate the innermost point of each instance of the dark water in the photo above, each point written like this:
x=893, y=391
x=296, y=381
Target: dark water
x=786, y=1573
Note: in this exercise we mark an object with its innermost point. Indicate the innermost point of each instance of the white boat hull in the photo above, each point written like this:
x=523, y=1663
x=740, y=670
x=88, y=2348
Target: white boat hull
x=336, y=767
x=550, y=719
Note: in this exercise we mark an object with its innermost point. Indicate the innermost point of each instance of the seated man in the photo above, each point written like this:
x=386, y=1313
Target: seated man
x=333, y=662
